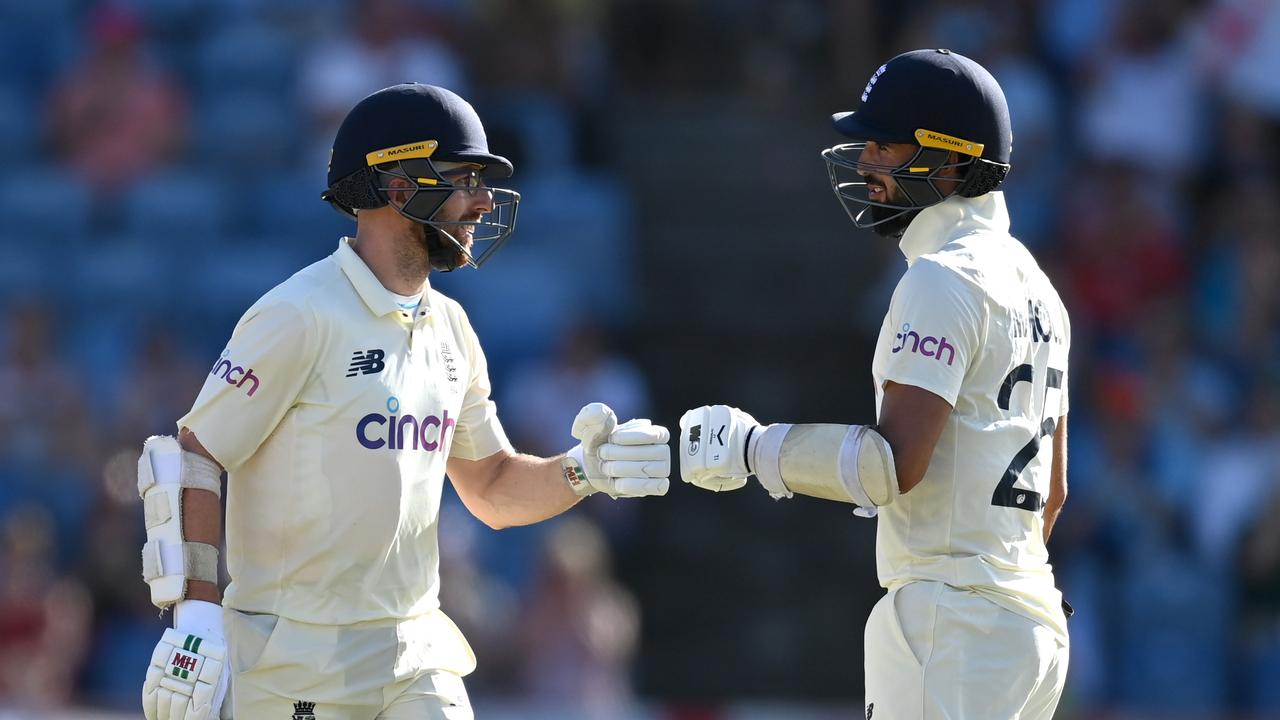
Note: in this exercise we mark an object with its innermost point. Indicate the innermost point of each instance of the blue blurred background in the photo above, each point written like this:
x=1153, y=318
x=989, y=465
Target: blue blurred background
x=678, y=244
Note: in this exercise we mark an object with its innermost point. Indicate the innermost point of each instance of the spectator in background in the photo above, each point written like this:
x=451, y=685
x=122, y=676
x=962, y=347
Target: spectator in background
x=114, y=116
x=1123, y=251
x=1141, y=96
x=543, y=395
x=125, y=623
x=1239, y=474
x=389, y=42
x=1259, y=567
x=160, y=384
x=44, y=617
x=48, y=442
x=1238, y=47
x=580, y=627
x=538, y=395
x=1237, y=286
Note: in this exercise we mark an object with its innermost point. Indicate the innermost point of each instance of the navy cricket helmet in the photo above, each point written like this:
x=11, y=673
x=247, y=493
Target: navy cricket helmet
x=423, y=135
x=942, y=102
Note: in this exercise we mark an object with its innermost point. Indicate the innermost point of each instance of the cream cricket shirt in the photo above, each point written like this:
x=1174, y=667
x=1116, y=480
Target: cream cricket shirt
x=975, y=321
x=334, y=410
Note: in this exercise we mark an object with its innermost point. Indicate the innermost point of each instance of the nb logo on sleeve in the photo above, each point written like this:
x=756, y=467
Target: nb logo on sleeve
x=366, y=362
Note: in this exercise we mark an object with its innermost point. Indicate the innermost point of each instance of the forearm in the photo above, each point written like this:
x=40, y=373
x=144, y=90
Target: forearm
x=202, y=522
x=1057, y=478
x=1052, y=507
x=522, y=490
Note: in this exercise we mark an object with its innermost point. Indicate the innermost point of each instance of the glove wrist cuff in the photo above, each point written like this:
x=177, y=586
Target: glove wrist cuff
x=765, y=453
x=574, y=468
x=198, y=617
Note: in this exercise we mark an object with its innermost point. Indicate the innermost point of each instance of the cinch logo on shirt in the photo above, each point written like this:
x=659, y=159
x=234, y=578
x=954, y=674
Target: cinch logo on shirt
x=234, y=374
x=928, y=346
x=403, y=432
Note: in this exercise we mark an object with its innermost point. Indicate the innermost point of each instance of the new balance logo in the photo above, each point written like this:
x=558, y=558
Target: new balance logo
x=304, y=710
x=366, y=362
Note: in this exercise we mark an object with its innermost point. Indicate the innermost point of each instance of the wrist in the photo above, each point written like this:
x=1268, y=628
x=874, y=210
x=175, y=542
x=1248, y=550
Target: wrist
x=198, y=617
x=574, y=468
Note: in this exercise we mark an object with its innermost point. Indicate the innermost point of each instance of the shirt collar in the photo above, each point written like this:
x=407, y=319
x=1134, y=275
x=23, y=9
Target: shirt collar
x=954, y=217
x=375, y=296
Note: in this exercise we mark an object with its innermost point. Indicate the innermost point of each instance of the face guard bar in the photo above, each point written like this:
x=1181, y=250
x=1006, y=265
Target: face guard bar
x=917, y=181
x=430, y=189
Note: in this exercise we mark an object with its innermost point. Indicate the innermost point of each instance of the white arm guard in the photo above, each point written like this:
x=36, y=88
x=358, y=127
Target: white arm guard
x=847, y=463
x=168, y=561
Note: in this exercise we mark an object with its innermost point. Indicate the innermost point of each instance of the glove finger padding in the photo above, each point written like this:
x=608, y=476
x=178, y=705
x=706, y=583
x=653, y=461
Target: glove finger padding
x=639, y=432
x=610, y=451
x=640, y=486
x=637, y=468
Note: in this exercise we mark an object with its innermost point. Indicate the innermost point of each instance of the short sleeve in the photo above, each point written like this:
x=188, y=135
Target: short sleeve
x=937, y=317
x=478, y=434
x=255, y=381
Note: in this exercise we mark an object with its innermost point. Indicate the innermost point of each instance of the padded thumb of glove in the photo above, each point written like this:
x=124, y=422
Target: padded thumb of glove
x=593, y=425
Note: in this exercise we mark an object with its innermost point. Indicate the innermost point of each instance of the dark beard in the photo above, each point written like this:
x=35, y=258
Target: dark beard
x=443, y=254
x=894, y=227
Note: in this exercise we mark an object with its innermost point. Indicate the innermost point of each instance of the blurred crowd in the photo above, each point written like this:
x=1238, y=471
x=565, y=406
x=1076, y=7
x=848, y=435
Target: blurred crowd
x=165, y=159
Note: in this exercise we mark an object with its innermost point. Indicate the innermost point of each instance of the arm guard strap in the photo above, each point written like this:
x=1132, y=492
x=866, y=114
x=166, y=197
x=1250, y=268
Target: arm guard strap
x=168, y=560
x=846, y=463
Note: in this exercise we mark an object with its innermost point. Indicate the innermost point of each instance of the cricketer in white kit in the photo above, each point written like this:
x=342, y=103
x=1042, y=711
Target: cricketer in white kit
x=343, y=398
x=966, y=468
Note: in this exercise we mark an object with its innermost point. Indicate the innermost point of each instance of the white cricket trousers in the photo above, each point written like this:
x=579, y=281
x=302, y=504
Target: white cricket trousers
x=936, y=652
x=283, y=669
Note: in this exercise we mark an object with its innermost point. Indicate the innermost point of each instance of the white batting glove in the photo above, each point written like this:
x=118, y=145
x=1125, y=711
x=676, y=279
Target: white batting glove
x=188, y=675
x=714, y=440
x=627, y=460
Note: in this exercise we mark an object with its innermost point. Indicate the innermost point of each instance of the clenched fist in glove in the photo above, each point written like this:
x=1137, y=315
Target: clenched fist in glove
x=627, y=460
x=715, y=441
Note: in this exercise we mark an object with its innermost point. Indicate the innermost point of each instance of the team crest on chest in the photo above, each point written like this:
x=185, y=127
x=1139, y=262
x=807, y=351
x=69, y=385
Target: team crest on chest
x=448, y=362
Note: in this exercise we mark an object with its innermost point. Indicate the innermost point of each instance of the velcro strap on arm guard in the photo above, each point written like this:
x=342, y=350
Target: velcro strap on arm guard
x=168, y=561
x=846, y=463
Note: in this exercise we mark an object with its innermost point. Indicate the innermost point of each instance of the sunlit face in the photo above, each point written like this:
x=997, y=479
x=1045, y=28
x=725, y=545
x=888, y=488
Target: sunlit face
x=463, y=205
x=881, y=187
